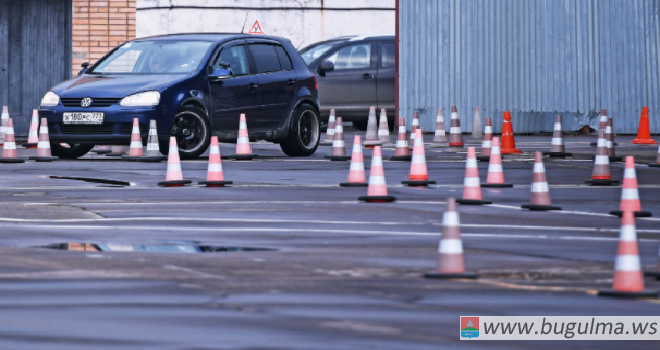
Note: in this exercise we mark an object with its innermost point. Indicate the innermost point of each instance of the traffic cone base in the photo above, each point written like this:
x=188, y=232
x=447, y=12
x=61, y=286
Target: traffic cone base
x=354, y=184
x=646, y=294
x=483, y=158
x=654, y=165
x=505, y=185
x=174, y=183
x=44, y=159
x=12, y=160
x=242, y=156
x=473, y=201
x=405, y=158
x=144, y=159
x=602, y=182
x=215, y=183
x=337, y=158
x=539, y=207
x=638, y=214
x=558, y=154
x=413, y=183
x=446, y=276
x=377, y=199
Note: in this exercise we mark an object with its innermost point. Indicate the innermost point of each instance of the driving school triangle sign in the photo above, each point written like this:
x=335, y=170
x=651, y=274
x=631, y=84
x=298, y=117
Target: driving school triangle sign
x=256, y=28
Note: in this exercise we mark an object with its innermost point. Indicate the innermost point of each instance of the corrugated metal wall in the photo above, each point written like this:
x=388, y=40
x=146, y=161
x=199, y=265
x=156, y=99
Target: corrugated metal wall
x=535, y=58
x=35, y=53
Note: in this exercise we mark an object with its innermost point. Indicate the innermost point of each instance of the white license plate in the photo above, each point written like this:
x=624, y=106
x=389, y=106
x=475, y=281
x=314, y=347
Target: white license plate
x=83, y=118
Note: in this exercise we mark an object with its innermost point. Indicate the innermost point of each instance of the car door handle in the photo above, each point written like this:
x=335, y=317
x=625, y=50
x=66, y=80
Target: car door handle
x=292, y=82
x=253, y=86
x=367, y=76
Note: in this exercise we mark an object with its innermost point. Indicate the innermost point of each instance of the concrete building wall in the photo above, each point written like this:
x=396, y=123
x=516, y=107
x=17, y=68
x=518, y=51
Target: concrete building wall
x=302, y=21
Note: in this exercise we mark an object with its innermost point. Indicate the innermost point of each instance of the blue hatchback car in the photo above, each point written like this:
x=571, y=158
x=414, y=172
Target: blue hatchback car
x=194, y=86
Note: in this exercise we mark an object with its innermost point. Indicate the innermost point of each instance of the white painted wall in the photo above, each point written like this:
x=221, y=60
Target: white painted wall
x=302, y=21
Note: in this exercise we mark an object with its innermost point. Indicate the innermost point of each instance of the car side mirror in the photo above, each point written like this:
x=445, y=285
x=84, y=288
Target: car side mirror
x=327, y=66
x=219, y=73
x=84, y=66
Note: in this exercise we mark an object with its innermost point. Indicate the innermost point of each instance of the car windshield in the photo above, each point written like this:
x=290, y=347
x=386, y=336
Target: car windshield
x=311, y=53
x=154, y=57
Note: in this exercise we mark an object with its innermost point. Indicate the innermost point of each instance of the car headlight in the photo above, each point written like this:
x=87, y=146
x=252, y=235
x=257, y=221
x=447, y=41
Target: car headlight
x=50, y=100
x=142, y=99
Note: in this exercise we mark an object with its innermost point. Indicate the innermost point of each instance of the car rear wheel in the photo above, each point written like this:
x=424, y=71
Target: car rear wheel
x=303, y=138
x=69, y=150
x=192, y=130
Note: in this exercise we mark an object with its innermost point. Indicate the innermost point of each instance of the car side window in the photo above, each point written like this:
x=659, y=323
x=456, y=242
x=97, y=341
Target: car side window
x=351, y=57
x=236, y=58
x=285, y=60
x=387, y=55
x=265, y=58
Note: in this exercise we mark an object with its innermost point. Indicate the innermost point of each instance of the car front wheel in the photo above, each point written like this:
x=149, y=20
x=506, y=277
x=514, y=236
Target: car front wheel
x=192, y=130
x=303, y=138
x=69, y=150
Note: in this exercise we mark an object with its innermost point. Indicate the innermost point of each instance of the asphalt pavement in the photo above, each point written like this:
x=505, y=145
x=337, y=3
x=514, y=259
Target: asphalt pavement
x=297, y=262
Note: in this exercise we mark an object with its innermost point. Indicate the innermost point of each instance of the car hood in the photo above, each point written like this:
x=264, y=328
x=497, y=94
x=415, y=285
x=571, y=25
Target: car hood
x=114, y=85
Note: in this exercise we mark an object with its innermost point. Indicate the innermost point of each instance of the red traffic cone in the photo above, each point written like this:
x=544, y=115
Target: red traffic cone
x=495, y=172
x=440, y=139
x=4, y=121
x=557, y=149
x=356, y=175
x=628, y=280
x=540, y=198
x=419, y=175
x=487, y=142
x=476, y=136
x=472, y=184
x=33, y=135
x=601, y=174
x=9, y=148
x=413, y=129
x=508, y=141
x=135, y=151
x=401, y=153
x=629, y=193
x=174, y=176
x=450, y=250
x=371, y=139
x=644, y=131
x=655, y=273
x=657, y=162
x=609, y=136
x=214, y=176
x=43, y=146
x=243, y=148
x=338, y=146
x=330, y=133
x=117, y=151
x=455, y=134
x=383, y=128
x=377, y=190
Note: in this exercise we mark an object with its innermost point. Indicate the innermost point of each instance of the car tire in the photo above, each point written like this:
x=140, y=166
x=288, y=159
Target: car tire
x=360, y=124
x=192, y=129
x=304, y=132
x=68, y=150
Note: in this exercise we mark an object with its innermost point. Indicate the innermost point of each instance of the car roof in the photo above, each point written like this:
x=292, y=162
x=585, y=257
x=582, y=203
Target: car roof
x=361, y=37
x=214, y=37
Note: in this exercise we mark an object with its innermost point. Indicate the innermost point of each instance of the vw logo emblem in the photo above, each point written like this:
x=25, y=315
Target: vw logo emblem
x=86, y=102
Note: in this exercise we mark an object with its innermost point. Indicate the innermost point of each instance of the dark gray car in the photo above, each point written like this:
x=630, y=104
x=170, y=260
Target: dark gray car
x=354, y=73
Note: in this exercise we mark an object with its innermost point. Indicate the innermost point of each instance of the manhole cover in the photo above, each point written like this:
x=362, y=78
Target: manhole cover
x=187, y=248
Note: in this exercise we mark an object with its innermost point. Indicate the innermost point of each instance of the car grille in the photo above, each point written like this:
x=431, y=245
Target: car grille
x=87, y=129
x=96, y=102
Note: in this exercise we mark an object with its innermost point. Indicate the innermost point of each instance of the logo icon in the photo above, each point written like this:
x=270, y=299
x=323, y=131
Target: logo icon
x=86, y=102
x=469, y=327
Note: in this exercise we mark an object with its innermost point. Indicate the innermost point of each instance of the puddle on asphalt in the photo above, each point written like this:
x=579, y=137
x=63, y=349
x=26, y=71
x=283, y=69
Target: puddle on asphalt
x=169, y=247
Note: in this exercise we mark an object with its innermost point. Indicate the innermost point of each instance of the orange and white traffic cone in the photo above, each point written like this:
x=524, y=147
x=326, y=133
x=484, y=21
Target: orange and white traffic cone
x=174, y=176
x=602, y=123
x=557, y=149
x=540, y=198
x=371, y=139
x=508, y=141
x=609, y=136
x=9, y=148
x=601, y=173
x=152, y=154
x=419, y=175
x=450, y=251
x=377, y=190
x=455, y=134
x=655, y=273
x=356, y=175
x=135, y=150
x=384, y=129
x=657, y=161
x=330, y=132
x=4, y=121
x=476, y=136
x=243, y=148
x=214, y=176
x=102, y=149
x=117, y=151
x=440, y=138
x=33, y=135
x=401, y=153
x=495, y=172
x=338, y=145
x=472, y=184
x=413, y=129
x=629, y=194
x=43, y=146
x=487, y=143
x=628, y=279
x=644, y=131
